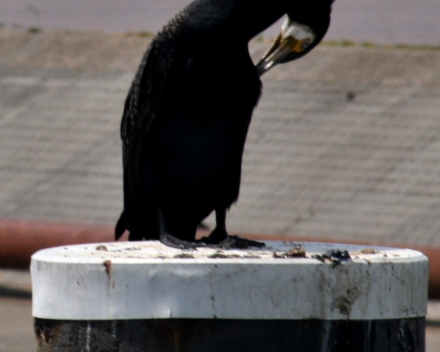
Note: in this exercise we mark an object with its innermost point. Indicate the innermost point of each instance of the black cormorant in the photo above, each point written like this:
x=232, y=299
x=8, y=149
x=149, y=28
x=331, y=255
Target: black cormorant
x=188, y=110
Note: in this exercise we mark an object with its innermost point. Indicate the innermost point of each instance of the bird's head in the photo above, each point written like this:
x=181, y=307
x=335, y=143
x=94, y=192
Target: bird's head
x=304, y=27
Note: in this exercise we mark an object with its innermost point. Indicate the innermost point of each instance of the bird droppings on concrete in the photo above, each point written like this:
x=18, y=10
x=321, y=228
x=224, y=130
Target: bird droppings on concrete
x=221, y=254
x=335, y=256
x=368, y=251
x=297, y=251
x=184, y=256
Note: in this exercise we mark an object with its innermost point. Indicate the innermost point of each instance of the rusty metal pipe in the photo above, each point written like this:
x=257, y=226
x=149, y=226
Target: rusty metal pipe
x=20, y=239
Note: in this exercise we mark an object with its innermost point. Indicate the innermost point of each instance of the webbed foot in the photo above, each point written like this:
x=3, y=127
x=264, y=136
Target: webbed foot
x=175, y=242
x=234, y=241
x=226, y=241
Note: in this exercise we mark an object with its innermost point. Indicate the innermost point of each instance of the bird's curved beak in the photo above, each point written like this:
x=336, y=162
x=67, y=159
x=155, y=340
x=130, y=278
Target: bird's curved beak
x=293, y=42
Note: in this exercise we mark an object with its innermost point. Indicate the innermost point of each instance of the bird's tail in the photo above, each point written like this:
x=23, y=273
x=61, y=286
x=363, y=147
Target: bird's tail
x=121, y=226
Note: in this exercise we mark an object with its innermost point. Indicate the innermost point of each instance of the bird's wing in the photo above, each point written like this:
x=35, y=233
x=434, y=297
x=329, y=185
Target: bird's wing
x=145, y=92
x=142, y=103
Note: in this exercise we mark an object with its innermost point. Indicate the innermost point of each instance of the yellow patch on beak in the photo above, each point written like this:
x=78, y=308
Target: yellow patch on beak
x=292, y=44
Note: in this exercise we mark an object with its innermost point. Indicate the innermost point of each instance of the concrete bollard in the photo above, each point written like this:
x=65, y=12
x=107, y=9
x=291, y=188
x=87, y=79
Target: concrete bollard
x=143, y=296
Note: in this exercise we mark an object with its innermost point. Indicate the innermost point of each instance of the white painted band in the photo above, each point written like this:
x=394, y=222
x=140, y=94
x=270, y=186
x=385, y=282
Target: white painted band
x=144, y=280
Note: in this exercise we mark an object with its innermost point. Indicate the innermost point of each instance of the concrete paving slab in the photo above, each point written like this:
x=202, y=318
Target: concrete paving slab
x=344, y=144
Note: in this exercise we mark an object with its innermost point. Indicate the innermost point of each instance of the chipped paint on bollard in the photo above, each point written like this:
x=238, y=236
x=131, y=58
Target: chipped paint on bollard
x=143, y=296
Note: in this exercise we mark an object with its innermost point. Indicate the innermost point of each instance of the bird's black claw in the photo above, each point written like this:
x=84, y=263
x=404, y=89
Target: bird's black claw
x=175, y=242
x=234, y=241
x=231, y=242
x=228, y=242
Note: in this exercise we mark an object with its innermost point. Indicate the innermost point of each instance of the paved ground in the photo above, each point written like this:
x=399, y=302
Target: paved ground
x=344, y=144
x=16, y=325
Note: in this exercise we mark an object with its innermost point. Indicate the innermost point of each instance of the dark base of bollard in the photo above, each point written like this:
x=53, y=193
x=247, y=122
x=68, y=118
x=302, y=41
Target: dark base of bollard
x=218, y=335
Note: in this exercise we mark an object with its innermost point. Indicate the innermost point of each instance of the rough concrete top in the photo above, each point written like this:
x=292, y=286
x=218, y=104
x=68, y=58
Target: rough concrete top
x=345, y=143
x=148, y=252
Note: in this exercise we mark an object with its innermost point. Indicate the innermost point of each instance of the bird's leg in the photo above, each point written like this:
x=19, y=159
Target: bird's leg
x=170, y=240
x=221, y=237
x=219, y=233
